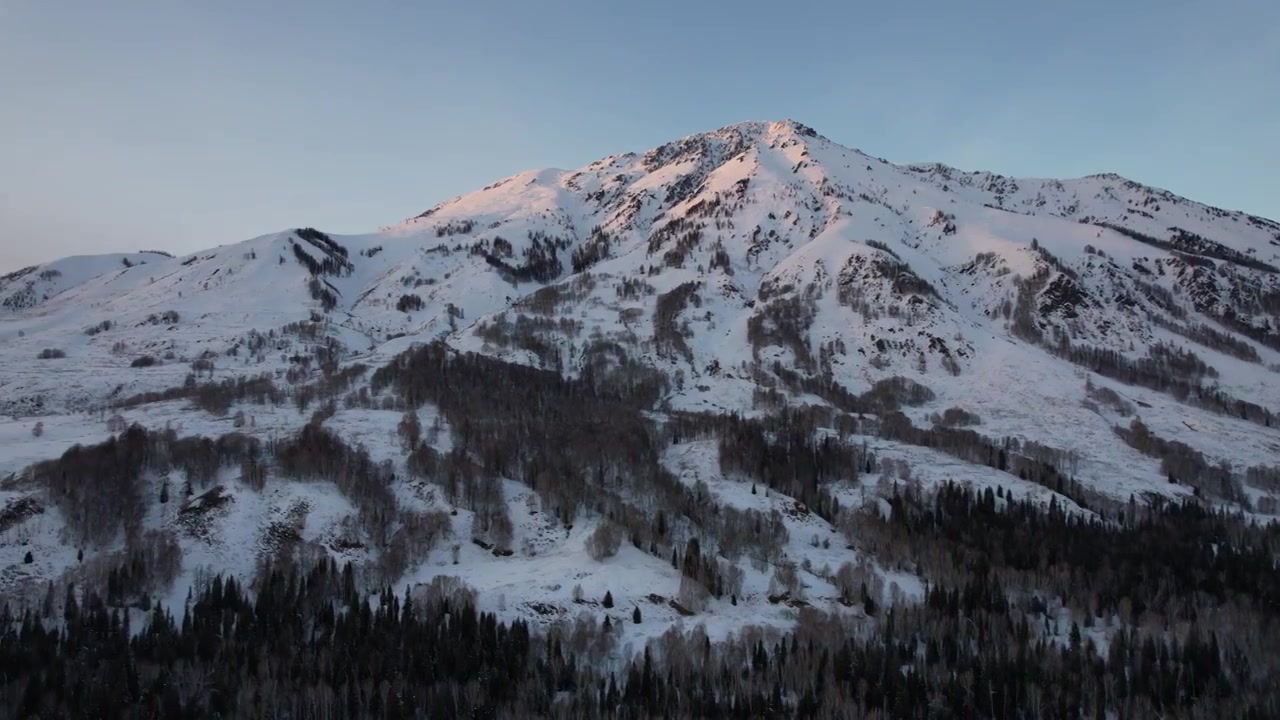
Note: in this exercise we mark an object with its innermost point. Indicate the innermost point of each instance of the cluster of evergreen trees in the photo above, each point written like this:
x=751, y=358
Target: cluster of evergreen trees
x=668, y=334
x=596, y=248
x=530, y=333
x=409, y=302
x=1029, y=612
x=784, y=322
x=333, y=255
x=302, y=644
x=541, y=260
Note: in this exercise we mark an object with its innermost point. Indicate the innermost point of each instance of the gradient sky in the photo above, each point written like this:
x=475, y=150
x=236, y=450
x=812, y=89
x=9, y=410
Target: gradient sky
x=180, y=125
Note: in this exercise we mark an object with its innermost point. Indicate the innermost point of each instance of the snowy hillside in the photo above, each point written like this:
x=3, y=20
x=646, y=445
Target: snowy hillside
x=1073, y=342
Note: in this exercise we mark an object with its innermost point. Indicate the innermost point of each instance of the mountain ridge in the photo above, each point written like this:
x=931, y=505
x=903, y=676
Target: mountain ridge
x=600, y=211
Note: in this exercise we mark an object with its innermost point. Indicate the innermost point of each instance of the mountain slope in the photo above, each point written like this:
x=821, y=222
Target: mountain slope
x=1100, y=337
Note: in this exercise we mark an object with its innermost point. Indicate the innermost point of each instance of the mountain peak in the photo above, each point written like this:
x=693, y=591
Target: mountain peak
x=761, y=129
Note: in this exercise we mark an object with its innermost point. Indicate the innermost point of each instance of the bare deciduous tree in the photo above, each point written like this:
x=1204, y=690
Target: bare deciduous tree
x=604, y=541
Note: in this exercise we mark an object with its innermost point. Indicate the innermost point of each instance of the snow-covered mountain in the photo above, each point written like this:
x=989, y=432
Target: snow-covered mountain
x=1116, y=332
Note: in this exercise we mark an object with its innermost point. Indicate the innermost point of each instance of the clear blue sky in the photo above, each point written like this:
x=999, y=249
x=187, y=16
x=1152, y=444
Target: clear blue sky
x=180, y=125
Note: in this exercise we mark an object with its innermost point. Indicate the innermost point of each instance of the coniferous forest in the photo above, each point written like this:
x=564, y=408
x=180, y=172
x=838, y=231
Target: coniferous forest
x=1196, y=595
x=1150, y=609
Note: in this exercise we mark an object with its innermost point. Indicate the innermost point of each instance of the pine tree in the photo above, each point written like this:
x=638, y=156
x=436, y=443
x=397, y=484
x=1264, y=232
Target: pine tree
x=31, y=696
x=70, y=609
x=635, y=615
x=608, y=599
